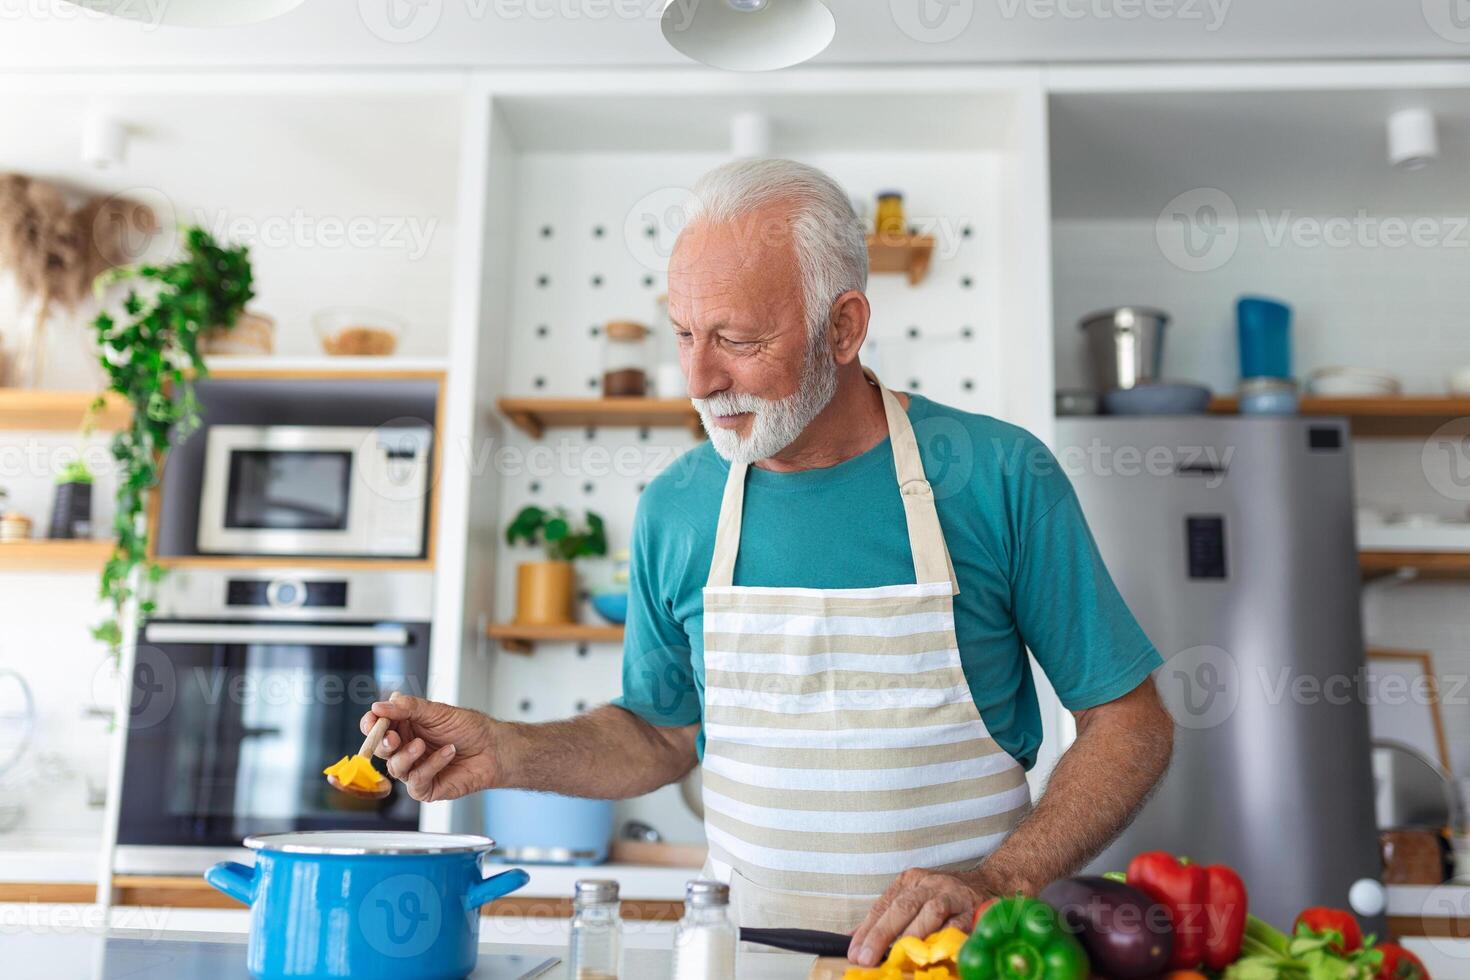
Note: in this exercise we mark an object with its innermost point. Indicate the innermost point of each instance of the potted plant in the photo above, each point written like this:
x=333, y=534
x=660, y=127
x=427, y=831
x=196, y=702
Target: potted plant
x=545, y=590
x=150, y=352
x=71, y=505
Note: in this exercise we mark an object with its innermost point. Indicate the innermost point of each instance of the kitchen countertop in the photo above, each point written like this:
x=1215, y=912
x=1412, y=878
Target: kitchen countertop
x=143, y=955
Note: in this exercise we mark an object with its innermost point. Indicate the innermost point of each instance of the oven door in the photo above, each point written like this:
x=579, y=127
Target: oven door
x=231, y=724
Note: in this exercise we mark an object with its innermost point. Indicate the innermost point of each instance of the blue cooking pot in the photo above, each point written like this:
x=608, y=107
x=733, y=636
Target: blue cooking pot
x=370, y=905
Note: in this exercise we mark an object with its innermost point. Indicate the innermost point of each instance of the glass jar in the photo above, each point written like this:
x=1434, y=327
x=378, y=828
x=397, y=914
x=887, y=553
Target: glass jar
x=705, y=940
x=626, y=359
x=596, y=951
x=888, y=218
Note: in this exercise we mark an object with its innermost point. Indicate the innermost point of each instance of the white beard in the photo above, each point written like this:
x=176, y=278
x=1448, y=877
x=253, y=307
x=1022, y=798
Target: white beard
x=775, y=423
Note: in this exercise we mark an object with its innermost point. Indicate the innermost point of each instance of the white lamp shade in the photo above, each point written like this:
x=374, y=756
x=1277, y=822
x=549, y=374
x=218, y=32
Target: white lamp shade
x=193, y=13
x=778, y=35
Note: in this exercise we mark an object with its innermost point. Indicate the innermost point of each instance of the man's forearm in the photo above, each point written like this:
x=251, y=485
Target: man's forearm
x=607, y=753
x=1098, y=785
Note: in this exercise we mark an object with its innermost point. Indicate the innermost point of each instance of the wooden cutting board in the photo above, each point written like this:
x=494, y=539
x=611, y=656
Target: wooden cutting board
x=829, y=968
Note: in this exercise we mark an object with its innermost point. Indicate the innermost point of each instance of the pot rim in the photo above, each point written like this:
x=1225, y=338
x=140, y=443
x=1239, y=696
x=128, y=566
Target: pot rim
x=1110, y=314
x=452, y=843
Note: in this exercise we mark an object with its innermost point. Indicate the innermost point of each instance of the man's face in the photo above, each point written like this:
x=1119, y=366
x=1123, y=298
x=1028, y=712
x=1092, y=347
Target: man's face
x=736, y=305
x=735, y=300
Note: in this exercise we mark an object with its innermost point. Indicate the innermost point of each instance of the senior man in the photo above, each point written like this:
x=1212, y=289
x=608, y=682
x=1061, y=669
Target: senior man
x=843, y=647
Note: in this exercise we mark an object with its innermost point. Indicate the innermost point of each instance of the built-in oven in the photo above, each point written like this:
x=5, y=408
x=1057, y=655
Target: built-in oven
x=315, y=490
x=244, y=687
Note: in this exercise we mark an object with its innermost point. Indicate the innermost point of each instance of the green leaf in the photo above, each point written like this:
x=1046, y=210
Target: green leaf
x=556, y=529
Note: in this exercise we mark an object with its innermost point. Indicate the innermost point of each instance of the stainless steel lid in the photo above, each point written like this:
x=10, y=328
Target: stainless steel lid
x=368, y=842
x=595, y=891
x=1124, y=316
x=706, y=894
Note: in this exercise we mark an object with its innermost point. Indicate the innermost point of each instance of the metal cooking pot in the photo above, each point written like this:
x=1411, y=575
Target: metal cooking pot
x=382, y=905
x=1125, y=346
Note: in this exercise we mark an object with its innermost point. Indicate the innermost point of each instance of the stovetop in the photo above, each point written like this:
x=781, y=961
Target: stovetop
x=47, y=956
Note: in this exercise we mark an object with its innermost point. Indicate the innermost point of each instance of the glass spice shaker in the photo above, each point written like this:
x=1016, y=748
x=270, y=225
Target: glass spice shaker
x=597, y=932
x=705, y=940
x=625, y=359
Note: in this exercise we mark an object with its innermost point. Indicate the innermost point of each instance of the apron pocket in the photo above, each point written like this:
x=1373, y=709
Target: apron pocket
x=759, y=907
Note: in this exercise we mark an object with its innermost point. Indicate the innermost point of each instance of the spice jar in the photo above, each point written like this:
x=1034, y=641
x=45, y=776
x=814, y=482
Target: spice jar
x=596, y=951
x=626, y=357
x=888, y=219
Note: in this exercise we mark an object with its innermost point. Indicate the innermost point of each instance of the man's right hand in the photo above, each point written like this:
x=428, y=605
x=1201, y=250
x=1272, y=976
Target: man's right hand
x=438, y=751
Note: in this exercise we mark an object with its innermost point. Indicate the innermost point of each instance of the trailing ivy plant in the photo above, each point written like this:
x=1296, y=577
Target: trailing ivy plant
x=151, y=355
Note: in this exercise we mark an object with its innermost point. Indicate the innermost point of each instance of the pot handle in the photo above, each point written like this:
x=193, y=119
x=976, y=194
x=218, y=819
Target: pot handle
x=494, y=887
x=234, y=879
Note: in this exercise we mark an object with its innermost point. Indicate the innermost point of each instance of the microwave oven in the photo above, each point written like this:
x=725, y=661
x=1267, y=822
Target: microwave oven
x=305, y=490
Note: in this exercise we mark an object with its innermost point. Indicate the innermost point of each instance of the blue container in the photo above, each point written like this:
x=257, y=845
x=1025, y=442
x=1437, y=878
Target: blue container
x=611, y=606
x=1264, y=328
x=369, y=905
x=544, y=828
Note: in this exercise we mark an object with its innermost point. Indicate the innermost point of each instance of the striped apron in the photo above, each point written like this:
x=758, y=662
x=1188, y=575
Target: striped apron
x=842, y=745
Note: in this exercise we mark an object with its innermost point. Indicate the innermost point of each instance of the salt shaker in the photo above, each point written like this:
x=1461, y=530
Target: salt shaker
x=704, y=942
x=597, y=932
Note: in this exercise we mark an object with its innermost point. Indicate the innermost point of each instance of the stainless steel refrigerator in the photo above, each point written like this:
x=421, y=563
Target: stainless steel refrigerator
x=1232, y=541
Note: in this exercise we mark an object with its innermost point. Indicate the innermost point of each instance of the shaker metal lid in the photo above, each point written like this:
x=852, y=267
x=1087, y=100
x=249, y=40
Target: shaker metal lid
x=701, y=893
x=368, y=842
x=595, y=891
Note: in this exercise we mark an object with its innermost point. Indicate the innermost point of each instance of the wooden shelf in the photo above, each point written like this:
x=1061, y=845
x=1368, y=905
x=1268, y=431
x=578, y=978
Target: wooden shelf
x=276, y=561
x=515, y=638
x=33, y=409
x=909, y=254
x=536, y=415
x=37, y=554
x=1398, y=416
x=1430, y=564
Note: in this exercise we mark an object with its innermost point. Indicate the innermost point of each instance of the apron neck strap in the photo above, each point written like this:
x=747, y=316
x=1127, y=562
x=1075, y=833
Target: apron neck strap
x=926, y=538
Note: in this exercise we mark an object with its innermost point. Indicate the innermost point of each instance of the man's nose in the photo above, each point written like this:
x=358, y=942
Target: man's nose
x=706, y=376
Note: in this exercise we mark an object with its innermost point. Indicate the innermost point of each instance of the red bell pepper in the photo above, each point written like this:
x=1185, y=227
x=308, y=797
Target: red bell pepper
x=1334, y=924
x=1399, y=964
x=1225, y=911
x=1182, y=889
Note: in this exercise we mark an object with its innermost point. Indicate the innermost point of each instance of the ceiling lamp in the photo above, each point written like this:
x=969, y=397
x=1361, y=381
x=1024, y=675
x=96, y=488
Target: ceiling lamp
x=1413, y=139
x=193, y=13
x=748, y=35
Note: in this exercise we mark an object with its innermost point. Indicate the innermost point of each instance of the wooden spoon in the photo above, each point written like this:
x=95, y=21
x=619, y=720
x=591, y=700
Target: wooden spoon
x=369, y=746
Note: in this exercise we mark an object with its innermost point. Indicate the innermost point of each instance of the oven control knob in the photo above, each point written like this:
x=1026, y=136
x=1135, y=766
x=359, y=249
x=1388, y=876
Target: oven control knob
x=286, y=593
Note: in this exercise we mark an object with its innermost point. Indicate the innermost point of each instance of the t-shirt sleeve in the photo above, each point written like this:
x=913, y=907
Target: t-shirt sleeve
x=1071, y=614
x=658, y=679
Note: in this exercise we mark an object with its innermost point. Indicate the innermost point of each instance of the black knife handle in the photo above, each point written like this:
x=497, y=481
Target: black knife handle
x=812, y=941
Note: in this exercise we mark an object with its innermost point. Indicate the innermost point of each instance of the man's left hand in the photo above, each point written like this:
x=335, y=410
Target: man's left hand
x=918, y=903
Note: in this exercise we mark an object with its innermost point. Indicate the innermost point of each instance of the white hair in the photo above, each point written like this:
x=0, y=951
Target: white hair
x=830, y=243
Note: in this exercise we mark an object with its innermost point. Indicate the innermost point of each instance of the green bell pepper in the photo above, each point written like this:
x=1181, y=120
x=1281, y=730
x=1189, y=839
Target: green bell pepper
x=1021, y=938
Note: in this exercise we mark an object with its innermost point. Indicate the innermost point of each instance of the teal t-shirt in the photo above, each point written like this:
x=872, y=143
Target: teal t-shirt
x=1029, y=572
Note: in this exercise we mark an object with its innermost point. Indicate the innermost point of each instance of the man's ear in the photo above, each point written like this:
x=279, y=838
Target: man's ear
x=849, y=325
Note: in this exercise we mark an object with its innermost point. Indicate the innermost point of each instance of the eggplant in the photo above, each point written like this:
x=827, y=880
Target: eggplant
x=1127, y=935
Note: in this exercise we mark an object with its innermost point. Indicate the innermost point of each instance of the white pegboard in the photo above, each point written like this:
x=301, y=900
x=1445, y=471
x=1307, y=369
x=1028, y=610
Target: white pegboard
x=583, y=256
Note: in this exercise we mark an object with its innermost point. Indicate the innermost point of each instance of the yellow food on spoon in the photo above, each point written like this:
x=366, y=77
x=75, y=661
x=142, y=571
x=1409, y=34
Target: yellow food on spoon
x=355, y=772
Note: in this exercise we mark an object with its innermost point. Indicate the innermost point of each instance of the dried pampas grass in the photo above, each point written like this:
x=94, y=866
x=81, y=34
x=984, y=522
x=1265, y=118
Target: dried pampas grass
x=56, y=251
